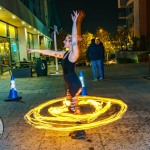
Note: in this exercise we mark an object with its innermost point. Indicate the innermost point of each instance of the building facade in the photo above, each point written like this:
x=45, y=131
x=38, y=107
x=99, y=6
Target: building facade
x=23, y=24
x=136, y=14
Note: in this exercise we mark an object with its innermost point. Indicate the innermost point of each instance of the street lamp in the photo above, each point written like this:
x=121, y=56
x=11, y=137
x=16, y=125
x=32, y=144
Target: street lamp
x=55, y=47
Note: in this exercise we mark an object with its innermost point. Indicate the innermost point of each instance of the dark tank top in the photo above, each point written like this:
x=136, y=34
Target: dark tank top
x=67, y=66
x=71, y=79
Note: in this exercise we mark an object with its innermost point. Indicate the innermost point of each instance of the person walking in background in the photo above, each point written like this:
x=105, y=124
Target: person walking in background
x=69, y=59
x=94, y=55
x=102, y=56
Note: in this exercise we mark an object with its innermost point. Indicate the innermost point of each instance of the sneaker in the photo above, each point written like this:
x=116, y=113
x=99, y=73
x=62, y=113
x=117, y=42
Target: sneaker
x=78, y=135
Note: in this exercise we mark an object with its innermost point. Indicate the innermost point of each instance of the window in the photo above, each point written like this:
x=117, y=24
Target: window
x=12, y=32
x=3, y=29
x=30, y=45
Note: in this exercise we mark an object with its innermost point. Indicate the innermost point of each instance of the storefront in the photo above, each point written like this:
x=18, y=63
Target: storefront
x=8, y=44
x=11, y=44
x=20, y=29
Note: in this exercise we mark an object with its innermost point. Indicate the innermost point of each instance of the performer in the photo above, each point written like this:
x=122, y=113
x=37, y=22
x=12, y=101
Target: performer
x=69, y=59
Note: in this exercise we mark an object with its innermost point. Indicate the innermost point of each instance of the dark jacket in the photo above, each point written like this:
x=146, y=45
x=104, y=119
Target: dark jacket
x=94, y=52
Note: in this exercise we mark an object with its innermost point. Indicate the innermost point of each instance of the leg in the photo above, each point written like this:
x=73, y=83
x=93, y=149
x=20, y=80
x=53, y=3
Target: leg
x=103, y=67
x=100, y=68
x=74, y=103
x=68, y=95
x=79, y=134
x=74, y=108
x=94, y=69
x=68, y=98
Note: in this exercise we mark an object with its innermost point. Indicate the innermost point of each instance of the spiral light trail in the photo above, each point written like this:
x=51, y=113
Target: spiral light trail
x=95, y=112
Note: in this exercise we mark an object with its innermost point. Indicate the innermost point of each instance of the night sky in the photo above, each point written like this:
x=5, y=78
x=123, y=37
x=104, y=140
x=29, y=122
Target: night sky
x=99, y=13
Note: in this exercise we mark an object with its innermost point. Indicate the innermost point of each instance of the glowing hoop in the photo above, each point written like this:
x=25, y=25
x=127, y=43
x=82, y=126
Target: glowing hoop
x=96, y=111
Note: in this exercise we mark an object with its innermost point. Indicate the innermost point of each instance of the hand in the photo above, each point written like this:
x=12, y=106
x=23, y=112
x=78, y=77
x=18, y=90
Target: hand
x=74, y=16
x=30, y=50
x=81, y=16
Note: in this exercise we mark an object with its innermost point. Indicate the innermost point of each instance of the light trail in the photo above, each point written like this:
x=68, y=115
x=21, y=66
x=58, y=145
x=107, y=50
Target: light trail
x=95, y=112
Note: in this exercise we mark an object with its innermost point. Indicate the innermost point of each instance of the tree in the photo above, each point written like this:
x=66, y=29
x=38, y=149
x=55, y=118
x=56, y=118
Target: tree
x=104, y=37
x=85, y=42
x=124, y=38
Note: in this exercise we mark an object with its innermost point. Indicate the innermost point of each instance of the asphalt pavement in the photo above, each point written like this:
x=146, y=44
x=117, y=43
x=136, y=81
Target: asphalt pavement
x=127, y=82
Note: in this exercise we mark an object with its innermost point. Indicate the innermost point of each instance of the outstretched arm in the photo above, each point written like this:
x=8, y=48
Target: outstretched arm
x=58, y=54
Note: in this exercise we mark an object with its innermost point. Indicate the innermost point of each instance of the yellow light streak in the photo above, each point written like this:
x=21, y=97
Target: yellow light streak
x=95, y=112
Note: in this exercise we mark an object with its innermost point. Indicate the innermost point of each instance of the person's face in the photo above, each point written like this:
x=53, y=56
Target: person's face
x=97, y=41
x=67, y=42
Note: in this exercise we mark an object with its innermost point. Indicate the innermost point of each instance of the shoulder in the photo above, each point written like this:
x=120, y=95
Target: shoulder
x=93, y=45
x=99, y=46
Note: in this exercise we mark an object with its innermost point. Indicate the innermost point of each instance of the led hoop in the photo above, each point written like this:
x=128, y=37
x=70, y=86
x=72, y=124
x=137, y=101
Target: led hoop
x=59, y=118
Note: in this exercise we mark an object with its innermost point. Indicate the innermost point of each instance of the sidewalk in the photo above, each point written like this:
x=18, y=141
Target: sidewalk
x=126, y=82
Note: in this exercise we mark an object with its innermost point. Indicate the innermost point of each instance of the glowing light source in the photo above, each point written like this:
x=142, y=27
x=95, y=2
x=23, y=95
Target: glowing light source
x=23, y=22
x=14, y=17
x=96, y=111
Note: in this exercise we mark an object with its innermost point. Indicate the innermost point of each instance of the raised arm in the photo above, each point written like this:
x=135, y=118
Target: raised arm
x=74, y=54
x=77, y=18
x=58, y=54
x=79, y=22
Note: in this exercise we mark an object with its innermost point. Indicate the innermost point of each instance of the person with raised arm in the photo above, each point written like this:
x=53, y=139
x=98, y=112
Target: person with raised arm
x=69, y=59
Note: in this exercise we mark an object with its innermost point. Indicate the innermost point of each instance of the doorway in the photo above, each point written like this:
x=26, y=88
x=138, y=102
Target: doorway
x=4, y=55
x=4, y=51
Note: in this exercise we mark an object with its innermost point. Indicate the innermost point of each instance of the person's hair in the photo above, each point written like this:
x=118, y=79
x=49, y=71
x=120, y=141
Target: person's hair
x=69, y=37
x=93, y=41
x=97, y=38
